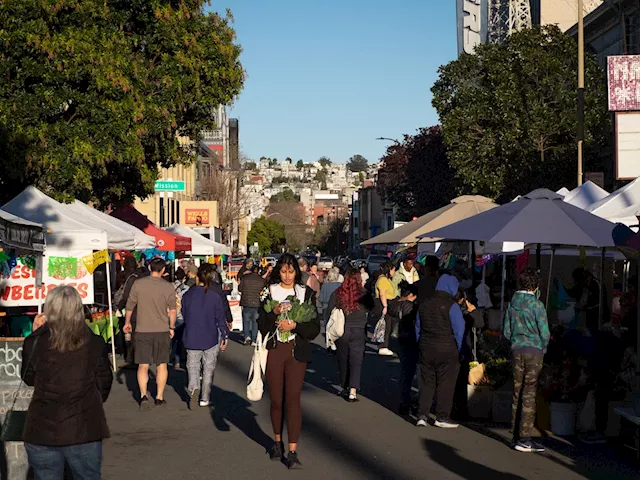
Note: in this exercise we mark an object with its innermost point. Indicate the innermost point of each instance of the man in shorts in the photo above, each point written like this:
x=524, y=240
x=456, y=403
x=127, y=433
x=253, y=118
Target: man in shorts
x=154, y=300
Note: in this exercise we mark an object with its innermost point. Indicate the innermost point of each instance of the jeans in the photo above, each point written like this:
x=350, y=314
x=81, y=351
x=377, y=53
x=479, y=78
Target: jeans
x=202, y=361
x=250, y=322
x=176, y=343
x=84, y=461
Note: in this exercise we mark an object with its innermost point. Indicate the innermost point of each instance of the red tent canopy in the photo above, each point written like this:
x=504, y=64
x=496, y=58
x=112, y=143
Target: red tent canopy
x=165, y=241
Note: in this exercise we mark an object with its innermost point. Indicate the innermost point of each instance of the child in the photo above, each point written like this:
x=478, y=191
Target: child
x=526, y=327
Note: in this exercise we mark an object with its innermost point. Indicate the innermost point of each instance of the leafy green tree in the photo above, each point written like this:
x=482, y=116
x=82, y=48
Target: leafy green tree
x=268, y=233
x=509, y=114
x=284, y=196
x=361, y=177
x=321, y=176
x=288, y=160
x=250, y=166
x=324, y=162
x=95, y=96
x=300, y=165
x=416, y=175
x=358, y=163
x=273, y=162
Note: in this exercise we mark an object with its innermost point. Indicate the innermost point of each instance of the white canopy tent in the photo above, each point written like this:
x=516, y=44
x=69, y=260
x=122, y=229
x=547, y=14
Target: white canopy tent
x=585, y=195
x=621, y=206
x=121, y=235
x=200, y=245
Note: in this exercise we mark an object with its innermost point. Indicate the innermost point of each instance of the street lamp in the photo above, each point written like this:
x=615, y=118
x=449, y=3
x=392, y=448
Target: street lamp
x=389, y=139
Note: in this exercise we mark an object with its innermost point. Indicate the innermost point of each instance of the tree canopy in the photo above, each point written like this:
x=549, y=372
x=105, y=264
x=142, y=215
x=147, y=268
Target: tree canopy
x=95, y=96
x=300, y=165
x=416, y=175
x=284, y=196
x=509, y=113
x=358, y=163
x=324, y=162
x=268, y=233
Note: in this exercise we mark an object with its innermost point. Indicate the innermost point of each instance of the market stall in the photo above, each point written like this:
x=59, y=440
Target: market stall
x=200, y=245
x=164, y=241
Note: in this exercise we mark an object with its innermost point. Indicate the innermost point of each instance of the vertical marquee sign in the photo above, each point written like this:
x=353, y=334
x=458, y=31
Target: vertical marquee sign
x=472, y=20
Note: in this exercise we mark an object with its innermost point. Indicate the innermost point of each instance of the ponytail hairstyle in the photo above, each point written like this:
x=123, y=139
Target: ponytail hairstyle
x=205, y=275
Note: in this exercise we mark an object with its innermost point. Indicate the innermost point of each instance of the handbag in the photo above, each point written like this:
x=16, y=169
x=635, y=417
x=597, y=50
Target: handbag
x=379, y=331
x=255, y=386
x=14, y=421
x=335, y=325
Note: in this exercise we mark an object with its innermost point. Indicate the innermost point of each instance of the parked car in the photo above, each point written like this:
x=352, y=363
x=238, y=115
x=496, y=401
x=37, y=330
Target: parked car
x=325, y=263
x=374, y=261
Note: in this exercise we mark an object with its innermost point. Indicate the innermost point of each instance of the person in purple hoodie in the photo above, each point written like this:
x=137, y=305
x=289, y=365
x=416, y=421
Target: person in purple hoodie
x=441, y=335
x=205, y=333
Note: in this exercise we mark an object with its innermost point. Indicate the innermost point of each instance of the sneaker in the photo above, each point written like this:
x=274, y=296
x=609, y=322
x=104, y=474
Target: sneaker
x=247, y=341
x=204, y=404
x=385, y=352
x=145, y=405
x=277, y=451
x=195, y=396
x=292, y=461
x=160, y=402
x=352, y=398
x=422, y=421
x=527, y=446
x=446, y=423
x=253, y=344
x=594, y=439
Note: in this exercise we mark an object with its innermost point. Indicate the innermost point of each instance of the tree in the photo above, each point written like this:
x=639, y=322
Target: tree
x=250, y=166
x=332, y=238
x=321, y=176
x=268, y=233
x=290, y=213
x=300, y=165
x=509, y=113
x=416, y=175
x=285, y=195
x=95, y=96
x=288, y=160
x=324, y=162
x=361, y=177
x=273, y=162
x=358, y=163
x=223, y=186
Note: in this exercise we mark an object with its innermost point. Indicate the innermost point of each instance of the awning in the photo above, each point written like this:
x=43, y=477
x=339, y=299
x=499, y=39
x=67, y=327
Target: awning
x=165, y=241
x=16, y=232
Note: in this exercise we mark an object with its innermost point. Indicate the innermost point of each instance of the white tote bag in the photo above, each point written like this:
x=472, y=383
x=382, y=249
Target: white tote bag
x=255, y=386
x=335, y=325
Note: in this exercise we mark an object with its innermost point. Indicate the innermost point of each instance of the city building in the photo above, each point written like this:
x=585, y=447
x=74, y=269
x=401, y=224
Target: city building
x=217, y=139
x=375, y=216
x=234, y=144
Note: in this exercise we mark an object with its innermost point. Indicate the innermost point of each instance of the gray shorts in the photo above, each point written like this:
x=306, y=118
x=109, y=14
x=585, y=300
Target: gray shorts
x=152, y=348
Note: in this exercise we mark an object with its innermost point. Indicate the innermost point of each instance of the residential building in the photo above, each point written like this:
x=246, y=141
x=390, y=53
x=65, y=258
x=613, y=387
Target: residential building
x=234, y=144
x=217, y=139
x=563, y=13
x=375, y=216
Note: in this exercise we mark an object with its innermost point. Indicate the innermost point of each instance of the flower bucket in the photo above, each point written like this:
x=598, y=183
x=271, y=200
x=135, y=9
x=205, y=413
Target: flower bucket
x=563, y=418
x=479, y=399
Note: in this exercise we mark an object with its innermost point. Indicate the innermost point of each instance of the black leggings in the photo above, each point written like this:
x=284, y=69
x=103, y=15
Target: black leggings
x=350, y=355
x=285, y=376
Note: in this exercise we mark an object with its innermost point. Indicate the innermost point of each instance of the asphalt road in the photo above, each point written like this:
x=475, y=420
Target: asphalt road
x=366, y=440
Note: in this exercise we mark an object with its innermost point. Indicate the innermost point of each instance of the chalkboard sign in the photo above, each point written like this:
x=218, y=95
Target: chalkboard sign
x=13, y=457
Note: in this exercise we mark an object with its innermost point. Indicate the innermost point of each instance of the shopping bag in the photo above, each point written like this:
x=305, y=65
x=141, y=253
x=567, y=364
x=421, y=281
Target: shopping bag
x=379, y=331
x=255, y=385
x=335, y=325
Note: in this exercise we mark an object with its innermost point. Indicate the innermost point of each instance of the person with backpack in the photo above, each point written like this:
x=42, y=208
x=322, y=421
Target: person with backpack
x=129, y=275
x=176, y=341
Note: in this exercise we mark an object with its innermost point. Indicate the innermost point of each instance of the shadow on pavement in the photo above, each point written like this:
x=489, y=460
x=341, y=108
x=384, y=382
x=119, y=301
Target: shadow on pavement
x=449, y=458
x=177, y=380
x=231, y=407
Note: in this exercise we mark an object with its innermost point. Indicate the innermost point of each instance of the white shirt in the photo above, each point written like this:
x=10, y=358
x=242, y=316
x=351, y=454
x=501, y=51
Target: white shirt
x=280, y=294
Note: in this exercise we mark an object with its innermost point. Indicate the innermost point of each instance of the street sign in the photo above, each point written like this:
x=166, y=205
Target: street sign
x=170, y=186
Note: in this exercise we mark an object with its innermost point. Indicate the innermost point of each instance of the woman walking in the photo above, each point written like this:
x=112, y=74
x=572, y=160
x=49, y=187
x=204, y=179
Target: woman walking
x=386, y=293
x=289, y=352
x=328, y=287
x=69, y=367
x=353, y=302
x=205, y=333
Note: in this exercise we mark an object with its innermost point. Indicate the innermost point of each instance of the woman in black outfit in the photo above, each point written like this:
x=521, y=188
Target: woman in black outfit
x=289, y=352
x=69, y=367
x=355, y=304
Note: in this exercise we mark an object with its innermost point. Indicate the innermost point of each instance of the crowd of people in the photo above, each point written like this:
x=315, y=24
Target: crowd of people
x=424, y=310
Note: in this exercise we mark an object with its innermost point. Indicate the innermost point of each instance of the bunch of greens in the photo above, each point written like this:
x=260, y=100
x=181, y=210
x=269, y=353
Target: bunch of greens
x=300, y=312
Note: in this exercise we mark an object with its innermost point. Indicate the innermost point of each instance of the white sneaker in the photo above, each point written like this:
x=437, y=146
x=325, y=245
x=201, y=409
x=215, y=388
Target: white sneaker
x=385, y=352
x=422, y=421
x=204, y=404
x=446, y=423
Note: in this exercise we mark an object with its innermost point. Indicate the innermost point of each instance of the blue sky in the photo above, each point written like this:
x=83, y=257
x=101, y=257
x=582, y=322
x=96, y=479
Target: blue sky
x=328, y=77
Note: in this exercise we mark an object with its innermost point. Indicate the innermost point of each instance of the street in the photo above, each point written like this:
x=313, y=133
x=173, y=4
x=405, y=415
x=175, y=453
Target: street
x=365, y=440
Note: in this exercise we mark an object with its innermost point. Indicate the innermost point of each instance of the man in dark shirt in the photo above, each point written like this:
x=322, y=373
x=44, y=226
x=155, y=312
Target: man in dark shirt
x=250, y=287
x=426, y=286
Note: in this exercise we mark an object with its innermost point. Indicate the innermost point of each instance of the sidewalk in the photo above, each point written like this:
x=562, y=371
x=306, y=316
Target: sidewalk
x=366, y=440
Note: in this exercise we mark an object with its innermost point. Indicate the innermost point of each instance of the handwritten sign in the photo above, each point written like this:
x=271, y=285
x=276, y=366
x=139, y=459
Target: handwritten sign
x=14, y=465
x=624, y=82
x=19, y=289
x=197, y=215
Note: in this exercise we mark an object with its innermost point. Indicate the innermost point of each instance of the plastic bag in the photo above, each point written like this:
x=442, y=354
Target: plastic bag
x=379, y=331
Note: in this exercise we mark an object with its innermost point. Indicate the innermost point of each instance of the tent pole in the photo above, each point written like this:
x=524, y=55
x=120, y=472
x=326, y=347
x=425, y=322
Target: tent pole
x=601, y=292
x=538, y=248
x=113, y=334
x=637, y=382
x=553, y=253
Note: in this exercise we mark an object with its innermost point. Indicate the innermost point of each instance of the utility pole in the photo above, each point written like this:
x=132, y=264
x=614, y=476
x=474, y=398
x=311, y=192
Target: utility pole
x=580, y=88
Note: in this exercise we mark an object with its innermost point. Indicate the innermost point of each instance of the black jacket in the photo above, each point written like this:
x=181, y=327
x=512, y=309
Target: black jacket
x=305, y=332
x=70, y=388
x=216, y=287
x=250, y=288
x=435, y=323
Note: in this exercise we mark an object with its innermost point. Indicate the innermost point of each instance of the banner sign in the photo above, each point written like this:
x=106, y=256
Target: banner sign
x=61, y=268
x=623, y=72
x=472, y=24
x=197, y=216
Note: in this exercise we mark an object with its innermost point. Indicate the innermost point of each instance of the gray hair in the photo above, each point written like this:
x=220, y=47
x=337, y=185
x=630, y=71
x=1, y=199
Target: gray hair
x=333, y=275
x=64, y=314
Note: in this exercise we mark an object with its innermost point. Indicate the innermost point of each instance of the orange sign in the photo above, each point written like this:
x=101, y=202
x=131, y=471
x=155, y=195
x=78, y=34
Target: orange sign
x=197, y=216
